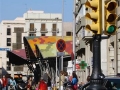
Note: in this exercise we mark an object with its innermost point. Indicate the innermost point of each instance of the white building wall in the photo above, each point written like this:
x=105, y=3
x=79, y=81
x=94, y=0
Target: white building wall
x=39, y=17
x=4, y=25
x=104, y=56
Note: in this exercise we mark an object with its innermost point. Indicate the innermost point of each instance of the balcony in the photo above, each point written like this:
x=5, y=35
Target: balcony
x=81, y=23
x=32, y=30
x=79, y=5
x=81, y=46
x=118, y=11
x=112, y=38
x=43, y=30
x=87, y=36
x=118, y=35
x=55, y=30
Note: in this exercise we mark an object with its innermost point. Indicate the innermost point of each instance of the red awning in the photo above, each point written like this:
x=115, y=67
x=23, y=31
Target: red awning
x=17, y=57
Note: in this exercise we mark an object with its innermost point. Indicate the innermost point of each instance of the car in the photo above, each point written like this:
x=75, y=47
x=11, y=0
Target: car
x=110, y=82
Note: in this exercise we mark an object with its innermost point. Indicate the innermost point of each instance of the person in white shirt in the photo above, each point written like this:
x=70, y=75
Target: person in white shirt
x=1, y=84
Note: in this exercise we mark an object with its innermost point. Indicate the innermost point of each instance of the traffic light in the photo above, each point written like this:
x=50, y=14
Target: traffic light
x=95, y=16
x=110, y=17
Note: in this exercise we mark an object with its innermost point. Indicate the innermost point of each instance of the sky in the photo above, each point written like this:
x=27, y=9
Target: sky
x=10, y=9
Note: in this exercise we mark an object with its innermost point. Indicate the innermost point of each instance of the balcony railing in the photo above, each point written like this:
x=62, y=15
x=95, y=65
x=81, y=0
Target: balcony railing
x=112, y=39
x=81, y=45
x=43, y=30
x=55, y=30
x=32, y=30
x=81, y=23
x=79, y=5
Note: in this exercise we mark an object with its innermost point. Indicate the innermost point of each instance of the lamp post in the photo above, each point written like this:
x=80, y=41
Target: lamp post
x=56, y=53
x=97, y=76
x=62, y=32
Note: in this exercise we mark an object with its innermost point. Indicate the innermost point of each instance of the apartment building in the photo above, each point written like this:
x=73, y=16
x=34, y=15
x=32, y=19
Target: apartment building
x=39, y=23
x=12, y=32
x=84, y=42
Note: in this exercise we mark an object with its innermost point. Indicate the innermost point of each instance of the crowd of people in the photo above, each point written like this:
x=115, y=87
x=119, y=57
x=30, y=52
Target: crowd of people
x=7, y=83
x=65, y=82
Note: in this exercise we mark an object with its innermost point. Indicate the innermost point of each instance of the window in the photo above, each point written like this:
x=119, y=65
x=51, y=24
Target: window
x=42, y=27
x=8, y=31
x=54, y=27
x=42, y=34
x=8, y=66
x=68, y=33
x=31, y=26
x=8, y=41
x=18, y=68
x=32, y=34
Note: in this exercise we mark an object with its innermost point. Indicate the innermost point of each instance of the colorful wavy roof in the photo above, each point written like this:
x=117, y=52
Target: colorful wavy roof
x=49, y=50
x=32, y=41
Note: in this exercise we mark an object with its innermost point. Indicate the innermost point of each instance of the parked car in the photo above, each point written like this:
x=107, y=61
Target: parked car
x=110, y=82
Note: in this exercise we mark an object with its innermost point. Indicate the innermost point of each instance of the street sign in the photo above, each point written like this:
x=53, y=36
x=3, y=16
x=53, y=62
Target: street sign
x=59, y=54
x=61, y=45
x=4, y=49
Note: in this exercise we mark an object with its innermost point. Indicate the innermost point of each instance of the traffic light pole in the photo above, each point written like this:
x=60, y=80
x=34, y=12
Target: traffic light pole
x=97, y=75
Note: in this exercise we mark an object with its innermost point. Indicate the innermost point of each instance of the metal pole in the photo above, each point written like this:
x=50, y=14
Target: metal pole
x=74, y=37
x=62, y=32
x=97, y=75
x=56, y=55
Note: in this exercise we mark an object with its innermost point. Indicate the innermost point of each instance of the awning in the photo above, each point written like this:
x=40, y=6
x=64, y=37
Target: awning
x=50, y=51
x=17, y=57
x=31, y=41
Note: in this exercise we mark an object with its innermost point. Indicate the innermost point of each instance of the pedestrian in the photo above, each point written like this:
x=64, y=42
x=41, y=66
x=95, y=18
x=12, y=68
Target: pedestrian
x=5, y=82
x=29, y=83
x=62, y=79
x=66, y=79
x=12, y=83
x=47, y=79
x=1, y=84
x=42, y=85
x=88, y=78
x=74, y=81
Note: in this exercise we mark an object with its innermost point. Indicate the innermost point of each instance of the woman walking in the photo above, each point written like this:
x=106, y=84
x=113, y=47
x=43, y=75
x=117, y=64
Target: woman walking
x=74, y=81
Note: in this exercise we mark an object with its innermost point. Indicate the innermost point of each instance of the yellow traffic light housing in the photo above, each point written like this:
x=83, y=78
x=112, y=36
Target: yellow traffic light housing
x=95, y=16
x=110, y=17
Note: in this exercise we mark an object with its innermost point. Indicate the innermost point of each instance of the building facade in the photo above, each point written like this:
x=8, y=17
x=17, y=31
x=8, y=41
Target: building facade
x=39, y=23
x=33, y=23
x=84, y=42
x=12, y=32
